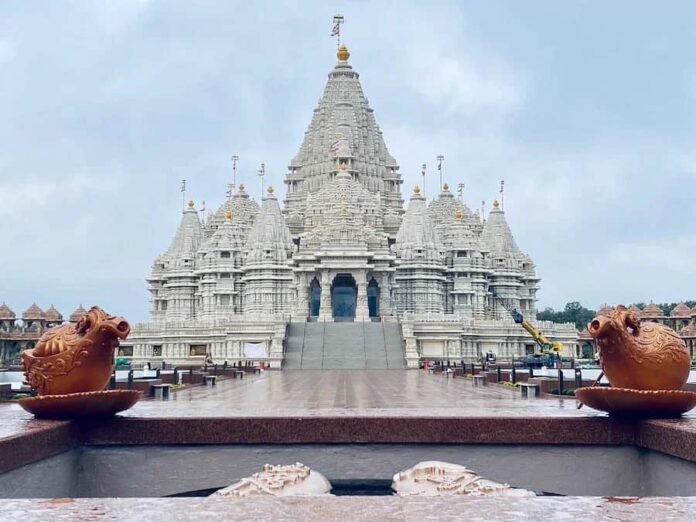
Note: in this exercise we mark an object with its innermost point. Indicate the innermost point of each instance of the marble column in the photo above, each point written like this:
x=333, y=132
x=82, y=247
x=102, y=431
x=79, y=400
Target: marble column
x=325, y=312
x=361, y=310
x=384, y=292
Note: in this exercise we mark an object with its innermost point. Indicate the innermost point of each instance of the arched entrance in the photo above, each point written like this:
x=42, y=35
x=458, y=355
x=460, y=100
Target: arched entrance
x=373, y=298
x=314, y=298
x=343, y=297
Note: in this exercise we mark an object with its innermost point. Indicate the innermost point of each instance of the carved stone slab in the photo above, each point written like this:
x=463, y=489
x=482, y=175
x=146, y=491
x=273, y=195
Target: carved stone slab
x=279, y=481
x=434, y=478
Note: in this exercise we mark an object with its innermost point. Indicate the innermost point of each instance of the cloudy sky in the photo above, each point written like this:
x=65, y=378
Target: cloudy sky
x=587, y=110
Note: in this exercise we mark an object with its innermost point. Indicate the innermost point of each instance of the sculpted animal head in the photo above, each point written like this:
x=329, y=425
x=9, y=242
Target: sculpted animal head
x=96, y=323
x=616, y=326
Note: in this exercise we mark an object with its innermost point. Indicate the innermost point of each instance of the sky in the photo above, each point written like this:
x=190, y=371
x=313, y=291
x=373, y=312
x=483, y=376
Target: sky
x=587, y=111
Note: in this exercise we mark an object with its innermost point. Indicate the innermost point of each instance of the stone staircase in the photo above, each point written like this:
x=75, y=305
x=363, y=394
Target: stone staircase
x=343, y=346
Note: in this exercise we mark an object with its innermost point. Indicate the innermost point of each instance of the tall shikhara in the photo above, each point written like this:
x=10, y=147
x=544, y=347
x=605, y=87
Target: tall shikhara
x=343, y=131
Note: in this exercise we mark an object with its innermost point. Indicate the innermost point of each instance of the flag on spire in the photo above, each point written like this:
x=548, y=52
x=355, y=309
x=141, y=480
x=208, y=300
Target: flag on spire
x=336, y=29
x=335, y=146
x=183, y=185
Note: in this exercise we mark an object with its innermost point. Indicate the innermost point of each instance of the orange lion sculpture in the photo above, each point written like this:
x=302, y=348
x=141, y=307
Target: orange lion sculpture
x=74, y=358
x=639, y=355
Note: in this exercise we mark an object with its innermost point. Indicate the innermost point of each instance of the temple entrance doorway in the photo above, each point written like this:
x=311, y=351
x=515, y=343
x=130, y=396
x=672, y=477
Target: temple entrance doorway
x=373, y=298
x=343, y=297
x=314, y=298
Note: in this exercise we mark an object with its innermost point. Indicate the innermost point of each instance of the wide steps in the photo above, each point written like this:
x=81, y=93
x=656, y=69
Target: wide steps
x=343, y=346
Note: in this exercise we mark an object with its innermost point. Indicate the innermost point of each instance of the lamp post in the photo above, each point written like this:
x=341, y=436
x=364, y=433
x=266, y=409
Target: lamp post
x=460, y=189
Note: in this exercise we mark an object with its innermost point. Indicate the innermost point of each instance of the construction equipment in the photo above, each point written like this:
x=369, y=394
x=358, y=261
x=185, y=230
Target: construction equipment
x=546, y=346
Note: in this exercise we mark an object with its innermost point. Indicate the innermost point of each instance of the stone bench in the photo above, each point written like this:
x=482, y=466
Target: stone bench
x=5, y=389
x=525, y=387
x=160, y=391
x=210, y=380
x=479, y=380
x=238, y=373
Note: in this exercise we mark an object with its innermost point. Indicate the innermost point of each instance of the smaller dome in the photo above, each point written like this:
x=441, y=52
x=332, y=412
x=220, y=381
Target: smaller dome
x=53, y=315
x=681, y=310
x=496, y=205
x=652, y=310
x=269, y=190
x=77, y=314
x=635, y=310
x=445, y=188
x=190, y=204
x=241, y=187
x=416, y=189
x=34, y=313
x=458, y=214
x=605, y=310
x=228, y=215
x=6, y=312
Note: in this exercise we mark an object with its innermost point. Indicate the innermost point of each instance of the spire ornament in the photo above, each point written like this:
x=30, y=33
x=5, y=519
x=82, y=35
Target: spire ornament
x=336, y=31
x=235, y=159
x=343, y=54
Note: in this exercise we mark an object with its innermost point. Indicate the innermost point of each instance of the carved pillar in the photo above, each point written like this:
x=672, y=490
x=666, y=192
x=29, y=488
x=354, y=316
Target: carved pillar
x=361, y=310
x=325, y=304
x=384, y=293
x=302, y=304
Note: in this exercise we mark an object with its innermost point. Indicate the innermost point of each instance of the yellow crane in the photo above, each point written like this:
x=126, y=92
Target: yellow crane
x=547, y=346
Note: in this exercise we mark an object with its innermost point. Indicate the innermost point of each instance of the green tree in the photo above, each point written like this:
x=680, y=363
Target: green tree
x=573, y=312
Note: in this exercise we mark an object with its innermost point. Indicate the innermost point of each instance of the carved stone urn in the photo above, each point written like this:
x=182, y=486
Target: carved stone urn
x=639, y=355
x=75, y=358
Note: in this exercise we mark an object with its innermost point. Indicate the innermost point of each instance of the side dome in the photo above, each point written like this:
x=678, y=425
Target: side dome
x=53, y=315
x=77, y=314
x=6, y=312
x=681, y=311
x=34, y=313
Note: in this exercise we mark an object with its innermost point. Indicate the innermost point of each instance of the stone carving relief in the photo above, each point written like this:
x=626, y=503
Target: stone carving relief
x=434, y=478
x=279, y=481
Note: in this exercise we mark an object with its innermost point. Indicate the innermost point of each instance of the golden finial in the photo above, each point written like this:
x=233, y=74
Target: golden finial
x=241, y=187
x=269, y=190
x=496, y=205
x=458, y=214
x=343, y=167
x=343, y=53
x=190, y=204
x=416, y=189
x=445, y=187
x=228, y=215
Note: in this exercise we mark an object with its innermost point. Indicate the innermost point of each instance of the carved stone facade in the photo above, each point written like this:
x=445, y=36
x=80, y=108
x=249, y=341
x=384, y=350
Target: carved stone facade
x=342, y=249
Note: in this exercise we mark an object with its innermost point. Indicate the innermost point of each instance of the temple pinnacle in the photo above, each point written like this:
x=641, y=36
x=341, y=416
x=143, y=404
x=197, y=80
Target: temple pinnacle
x=343, y=54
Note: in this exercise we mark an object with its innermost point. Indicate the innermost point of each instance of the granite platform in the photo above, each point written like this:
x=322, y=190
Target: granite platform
x=576, y=509
x=346, y=407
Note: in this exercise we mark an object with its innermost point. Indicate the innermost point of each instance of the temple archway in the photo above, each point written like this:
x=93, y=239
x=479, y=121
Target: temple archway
x=344, y=292
x=314, y=298
x=373, y=298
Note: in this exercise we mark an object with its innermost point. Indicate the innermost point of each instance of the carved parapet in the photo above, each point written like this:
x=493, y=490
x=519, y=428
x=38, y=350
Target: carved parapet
x=433, y=478
x=279, y=481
